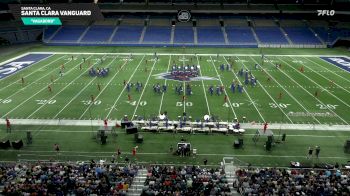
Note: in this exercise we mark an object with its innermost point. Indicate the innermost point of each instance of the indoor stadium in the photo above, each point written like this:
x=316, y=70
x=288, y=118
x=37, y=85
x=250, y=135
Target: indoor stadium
x=174, y=97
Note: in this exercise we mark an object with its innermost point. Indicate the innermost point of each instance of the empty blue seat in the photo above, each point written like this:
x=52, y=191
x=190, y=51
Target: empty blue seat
x=211, y=35
x=128, y=34
x=183, y=35
x=270, y=35
x=69, y=33
x=98, y=34
x=240, y=35
x=157, y=34
x=301, y=35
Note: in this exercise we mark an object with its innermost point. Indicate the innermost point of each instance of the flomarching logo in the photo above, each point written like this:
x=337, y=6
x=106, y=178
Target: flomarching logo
x=184, y=16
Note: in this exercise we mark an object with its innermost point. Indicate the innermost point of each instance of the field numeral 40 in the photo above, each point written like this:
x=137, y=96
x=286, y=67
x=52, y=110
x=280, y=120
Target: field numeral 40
x=280, y=105
x=235, y=105
x=327, y=106
x=44, y=101
x=5, y=101
x=133, y=103
x=180, y=104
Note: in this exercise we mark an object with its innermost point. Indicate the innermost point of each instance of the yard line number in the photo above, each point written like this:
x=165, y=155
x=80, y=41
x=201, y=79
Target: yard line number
x=5, y=101
x=89, y=102
x=45, y=101
x=279, y=105
x=327, y=106
x=235, y=105
x=133, y=103
x=181, y=104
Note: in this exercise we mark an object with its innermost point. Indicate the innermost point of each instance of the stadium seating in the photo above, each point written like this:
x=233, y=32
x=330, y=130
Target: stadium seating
x=183, y=35
x=157, y=34
x=292, y=182
x=49, y=31
x=240, y=35
x=69, y=34
x=66, y=179
x=210, y=35
x=301, y=35
x=98, y=34
x=270, y=35
x=185, y=181
x=128, y=34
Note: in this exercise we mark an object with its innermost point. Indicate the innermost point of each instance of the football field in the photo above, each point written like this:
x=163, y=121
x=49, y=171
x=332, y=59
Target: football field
x=305, y=89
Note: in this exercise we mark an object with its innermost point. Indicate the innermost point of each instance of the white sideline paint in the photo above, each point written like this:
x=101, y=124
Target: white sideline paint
x=187, y=54
x=60, y=91
x=161, y=101
x=205, y=92
x=76, y=95
x=35, y=94
x=272, y=126
x=228, y=98
x=310, y=93
x=143, y=90
x=132, y=75
x=267, y=72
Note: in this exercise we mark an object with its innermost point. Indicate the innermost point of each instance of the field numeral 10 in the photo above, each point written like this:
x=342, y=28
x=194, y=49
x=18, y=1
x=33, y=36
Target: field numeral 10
x=44, y=101
x=97, y=102
x=5, y=101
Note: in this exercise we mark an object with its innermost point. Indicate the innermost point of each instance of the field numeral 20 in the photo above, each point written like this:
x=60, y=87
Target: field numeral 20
x=97, y=102
x=4, y=101
x=44, y=101
x=326, y=106
x=180, y=104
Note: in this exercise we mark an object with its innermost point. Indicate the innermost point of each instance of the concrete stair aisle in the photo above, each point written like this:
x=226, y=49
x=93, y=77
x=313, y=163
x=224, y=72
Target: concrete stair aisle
x=195, y=35
x=54, y=34
x=172, y=34
x=231, y=176
x=286, y=36
x=225, y=35
x=255, y=36
x=142, y=34
x=114, y=32
x=83, y=34
x=138, y=183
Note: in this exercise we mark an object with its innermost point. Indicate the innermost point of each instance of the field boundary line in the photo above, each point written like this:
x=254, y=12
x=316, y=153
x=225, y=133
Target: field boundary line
x=161, y=101
x=268, y=73
x=132, y=75
x=310, y=93
x=97, y=123
x=321, y=87
x=143, y=90
x=222, y=84
x=61, y=90
x=262, y=86
x=82, y=90
x=36, y=93
x=188, y=54
x=204, y=90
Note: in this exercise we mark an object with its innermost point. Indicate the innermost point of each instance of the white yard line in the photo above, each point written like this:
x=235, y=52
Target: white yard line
x=84, y=72
x=33, y=72
x=321, y=87
x=279, y=107
x=187, y=54
x=222, y=84
x=267, y=72
x=36, y=93
x=161, y=101
x=327, y=69
x=82, y=90
x=115, y=103
x=204, y=90
x=310, y=94
x=246, y=92
x=104, y=88
x=143, y=90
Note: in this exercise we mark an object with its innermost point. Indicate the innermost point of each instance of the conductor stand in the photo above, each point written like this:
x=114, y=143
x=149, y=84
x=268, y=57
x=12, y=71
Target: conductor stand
x=268, y=133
